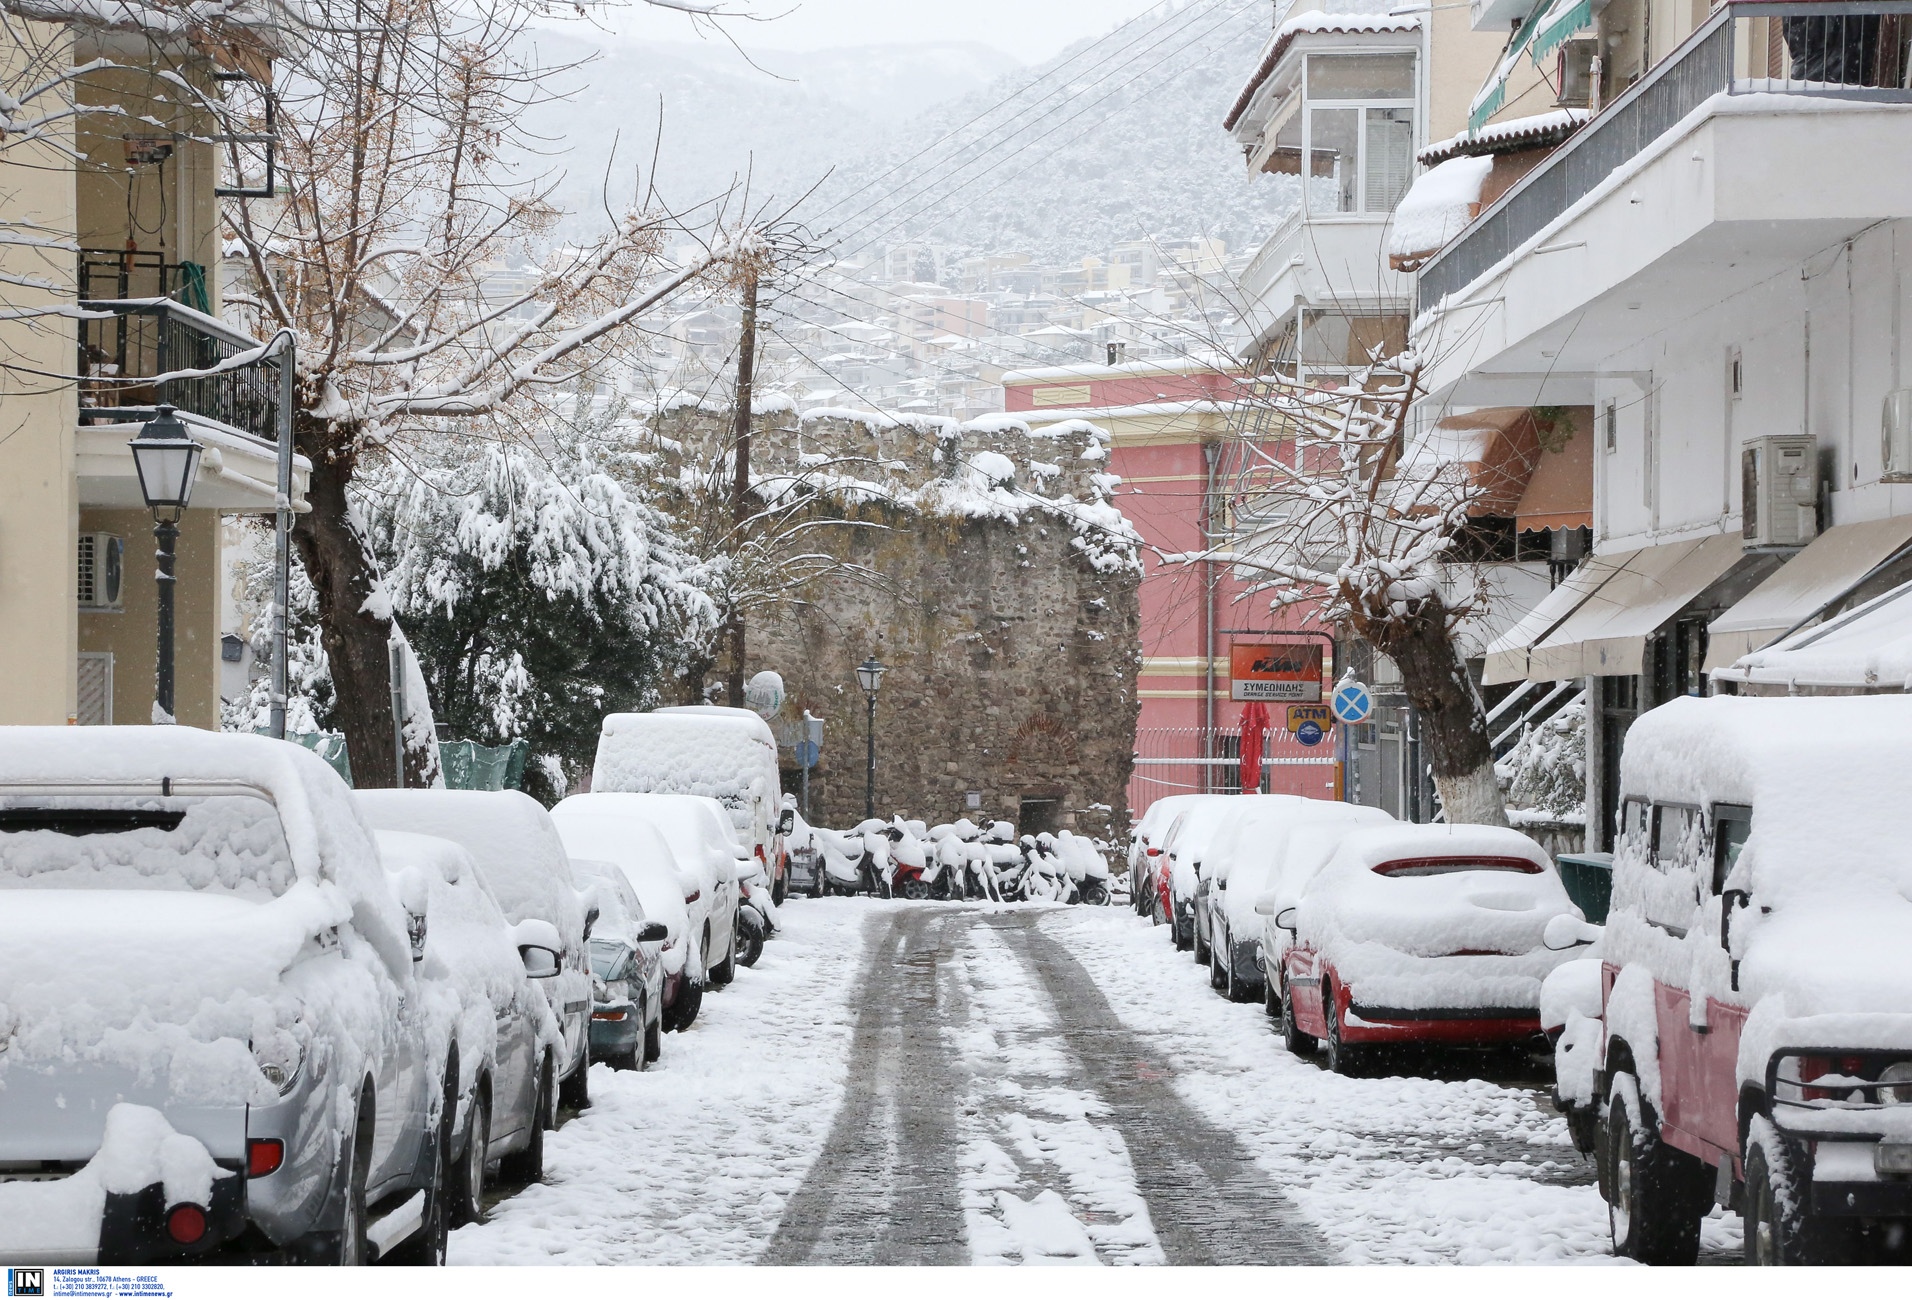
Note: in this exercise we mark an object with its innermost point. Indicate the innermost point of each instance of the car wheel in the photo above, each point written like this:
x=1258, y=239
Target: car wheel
x=690, y=1000
x=527, y=1165
x=1292, y=1037
x=1779, y=1229
x=468, y=1179
x=726, y=970
x=1184, y=933
x=780, y=890
x=574, y=1093
x=653, y=1043
x=352, y=1245
x=1234, y=989
x=1217, y=976
x=1652, y=1207
x=1155, y=909
x=1343, y=1057
x=1195, y=942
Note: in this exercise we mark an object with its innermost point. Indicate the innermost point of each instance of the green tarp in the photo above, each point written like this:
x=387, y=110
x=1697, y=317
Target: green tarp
x=468, y=765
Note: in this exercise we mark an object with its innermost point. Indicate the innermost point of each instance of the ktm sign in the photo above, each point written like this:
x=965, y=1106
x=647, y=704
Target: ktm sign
x=1288, y=674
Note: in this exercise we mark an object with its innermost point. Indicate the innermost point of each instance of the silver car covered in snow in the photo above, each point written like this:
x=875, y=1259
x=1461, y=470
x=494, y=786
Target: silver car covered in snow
x=207, y=1009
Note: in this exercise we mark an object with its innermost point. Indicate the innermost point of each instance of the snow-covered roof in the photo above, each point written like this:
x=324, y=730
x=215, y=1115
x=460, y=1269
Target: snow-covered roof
x=1437, y=206
x=1314, y=22
x=1505, y=137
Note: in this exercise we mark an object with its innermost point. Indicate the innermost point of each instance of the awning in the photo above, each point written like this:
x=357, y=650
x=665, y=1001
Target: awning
x=1836, y=560
x=1507, y=656
x=1606, y=636
x=1868, y=648
x=1562, y=19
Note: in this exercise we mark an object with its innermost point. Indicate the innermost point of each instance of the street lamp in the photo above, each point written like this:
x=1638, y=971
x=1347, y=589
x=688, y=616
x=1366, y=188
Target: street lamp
x=167, y=460
x=869, y=675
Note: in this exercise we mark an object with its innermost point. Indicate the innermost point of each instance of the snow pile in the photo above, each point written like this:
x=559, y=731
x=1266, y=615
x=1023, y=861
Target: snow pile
x=59, y=1221
x=1437, y=207
x=1402, y=927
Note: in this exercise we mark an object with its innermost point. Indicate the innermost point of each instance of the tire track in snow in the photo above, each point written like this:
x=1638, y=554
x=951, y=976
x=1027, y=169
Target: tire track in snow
x=884, y=1190
x=1210, y=1202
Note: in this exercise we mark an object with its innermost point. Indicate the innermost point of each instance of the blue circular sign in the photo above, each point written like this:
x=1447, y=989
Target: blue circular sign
x=1310, y=733
x=806, y=753
x=1352, y=703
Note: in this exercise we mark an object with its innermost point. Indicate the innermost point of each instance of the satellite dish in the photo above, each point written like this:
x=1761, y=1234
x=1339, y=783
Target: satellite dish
x=764, y=694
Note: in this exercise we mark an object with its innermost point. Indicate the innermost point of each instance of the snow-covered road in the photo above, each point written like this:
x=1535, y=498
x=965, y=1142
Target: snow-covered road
x=928, y=1083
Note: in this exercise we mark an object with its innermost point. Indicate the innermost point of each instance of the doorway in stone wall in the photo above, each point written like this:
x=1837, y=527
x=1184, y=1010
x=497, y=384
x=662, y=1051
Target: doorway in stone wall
x=1039, y=813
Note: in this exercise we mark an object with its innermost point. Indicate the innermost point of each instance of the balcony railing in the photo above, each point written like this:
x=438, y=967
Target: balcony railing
x=133, y=348
x=1836, y=49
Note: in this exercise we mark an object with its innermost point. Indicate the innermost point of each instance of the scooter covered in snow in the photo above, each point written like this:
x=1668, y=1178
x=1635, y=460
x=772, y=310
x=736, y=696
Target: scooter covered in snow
x=1088, y=869
x=959, y=862
x=909, y=859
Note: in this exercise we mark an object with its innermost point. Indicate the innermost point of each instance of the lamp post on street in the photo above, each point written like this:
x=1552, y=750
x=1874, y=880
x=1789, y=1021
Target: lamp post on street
x=167, y=460
x=869, y=675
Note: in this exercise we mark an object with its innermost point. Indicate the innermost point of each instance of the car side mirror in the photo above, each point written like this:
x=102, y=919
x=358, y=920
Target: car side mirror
x=1285, y=920
x=653, y=932
x=1730, y=901
x=1266, y=905
x=415, y=931
x=1568, y=931
x=591, y=919
x=540, y=963
x=787, y=822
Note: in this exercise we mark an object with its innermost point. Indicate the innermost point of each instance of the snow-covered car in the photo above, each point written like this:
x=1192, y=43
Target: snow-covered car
x=478, y=1000
x=1193, y=845
x=1241, y=864
x=1305, y=849
x=1757, y=980
x=1146, y=854
x=707, y=854
x=211, y=1036
x=1423, y=934
x=599, y=829
x=522, y=861
x=1183, y=844
x=627, y=968
x=707, y=750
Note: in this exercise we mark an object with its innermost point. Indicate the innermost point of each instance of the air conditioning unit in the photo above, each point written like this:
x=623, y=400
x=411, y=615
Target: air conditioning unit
x=1895, y=438
x=1576, y=74
x=1779, y=490
x=102, y=570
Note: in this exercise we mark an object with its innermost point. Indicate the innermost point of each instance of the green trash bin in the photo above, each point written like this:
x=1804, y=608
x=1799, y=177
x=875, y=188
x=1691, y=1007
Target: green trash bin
x=1589, y=881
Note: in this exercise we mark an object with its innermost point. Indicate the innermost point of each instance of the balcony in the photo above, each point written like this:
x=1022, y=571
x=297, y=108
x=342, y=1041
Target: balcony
x=138, y=332
x=1850, y=50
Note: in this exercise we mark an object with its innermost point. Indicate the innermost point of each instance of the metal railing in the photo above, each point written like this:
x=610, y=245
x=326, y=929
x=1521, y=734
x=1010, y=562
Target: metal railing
x=1194, y=760
x=130, y=343
x=1839, y=49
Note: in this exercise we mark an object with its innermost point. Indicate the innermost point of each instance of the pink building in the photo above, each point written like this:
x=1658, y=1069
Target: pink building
x=1169, y=424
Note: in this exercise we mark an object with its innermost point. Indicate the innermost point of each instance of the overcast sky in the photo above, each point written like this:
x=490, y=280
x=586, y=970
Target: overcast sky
x=1028, y=30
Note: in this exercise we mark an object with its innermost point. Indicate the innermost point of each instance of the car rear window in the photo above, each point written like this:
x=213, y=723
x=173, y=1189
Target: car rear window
x=1448, y=866
x=220, y=843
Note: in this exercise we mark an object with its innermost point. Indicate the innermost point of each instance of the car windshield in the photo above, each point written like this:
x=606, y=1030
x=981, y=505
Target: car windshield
x=1449, y=866
x=220, y=843
x=606, y=958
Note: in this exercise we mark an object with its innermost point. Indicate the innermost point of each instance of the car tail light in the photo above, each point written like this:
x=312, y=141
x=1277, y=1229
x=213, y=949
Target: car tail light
x=691, y=898
x=1154, y=853
x=607, y=1015
x=1446, y=866
x=186, y=1224
x=264, y=1156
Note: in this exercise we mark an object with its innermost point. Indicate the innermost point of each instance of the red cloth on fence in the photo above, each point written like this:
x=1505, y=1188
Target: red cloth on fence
x=1254, y=726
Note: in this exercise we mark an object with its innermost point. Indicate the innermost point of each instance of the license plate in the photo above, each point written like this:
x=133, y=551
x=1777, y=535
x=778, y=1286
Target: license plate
x=1893, y=1158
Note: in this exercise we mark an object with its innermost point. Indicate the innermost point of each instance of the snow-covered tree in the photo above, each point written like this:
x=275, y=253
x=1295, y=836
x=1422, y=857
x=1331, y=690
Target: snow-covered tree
x=1546, y=770
x=539, y=592
x=1336, y=511
x=396, y=203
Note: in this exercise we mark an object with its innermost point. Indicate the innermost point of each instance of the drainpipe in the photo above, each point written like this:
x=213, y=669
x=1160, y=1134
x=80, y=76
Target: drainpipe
x=1211, y=457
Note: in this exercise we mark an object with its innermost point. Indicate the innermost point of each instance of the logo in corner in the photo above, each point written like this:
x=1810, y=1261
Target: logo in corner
x=26, y=1281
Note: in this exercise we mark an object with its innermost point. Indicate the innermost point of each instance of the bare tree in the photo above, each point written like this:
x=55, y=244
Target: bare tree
x=1334, y=509
x=397, y=128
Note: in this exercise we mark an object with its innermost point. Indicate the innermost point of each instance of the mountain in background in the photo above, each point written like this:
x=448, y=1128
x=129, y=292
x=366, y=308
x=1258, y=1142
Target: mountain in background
x=1103, y=143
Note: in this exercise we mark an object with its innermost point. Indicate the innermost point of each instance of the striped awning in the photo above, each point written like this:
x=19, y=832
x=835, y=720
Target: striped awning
x=1563, y=19
x=1545, y=30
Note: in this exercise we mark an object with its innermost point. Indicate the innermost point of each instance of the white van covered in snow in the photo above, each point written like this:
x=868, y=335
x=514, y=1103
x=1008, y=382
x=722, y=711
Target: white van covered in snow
x=724, y=754
x=1755, y=1043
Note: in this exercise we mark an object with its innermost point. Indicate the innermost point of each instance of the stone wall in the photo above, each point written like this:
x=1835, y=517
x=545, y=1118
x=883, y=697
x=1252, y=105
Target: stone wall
x=1008, y=616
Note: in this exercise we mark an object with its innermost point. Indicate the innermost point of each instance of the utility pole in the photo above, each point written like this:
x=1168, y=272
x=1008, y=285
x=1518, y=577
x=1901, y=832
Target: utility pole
x=740, y=484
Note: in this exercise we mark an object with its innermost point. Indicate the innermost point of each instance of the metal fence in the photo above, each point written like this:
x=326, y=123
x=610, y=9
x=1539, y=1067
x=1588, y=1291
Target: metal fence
x=1844, y=49
x=1203, y=760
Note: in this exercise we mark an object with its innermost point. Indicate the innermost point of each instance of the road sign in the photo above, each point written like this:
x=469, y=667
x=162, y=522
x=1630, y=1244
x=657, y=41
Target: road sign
x=1310, y=734
x=1274, y=672
x=1319, y=714
x=1352, y=703
x=806, y=753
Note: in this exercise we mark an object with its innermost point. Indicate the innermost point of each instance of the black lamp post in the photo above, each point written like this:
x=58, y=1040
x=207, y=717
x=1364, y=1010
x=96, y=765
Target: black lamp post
x=167, y=460
x=869, y=675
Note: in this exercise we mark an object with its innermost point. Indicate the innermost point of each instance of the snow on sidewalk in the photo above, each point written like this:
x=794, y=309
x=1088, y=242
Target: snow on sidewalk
x=1371, y=1161
x=692, y=1161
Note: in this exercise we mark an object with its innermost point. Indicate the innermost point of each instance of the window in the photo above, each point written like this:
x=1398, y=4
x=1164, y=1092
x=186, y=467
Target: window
x=1359, y=132
x=1732, y=823
x=1672, y=826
